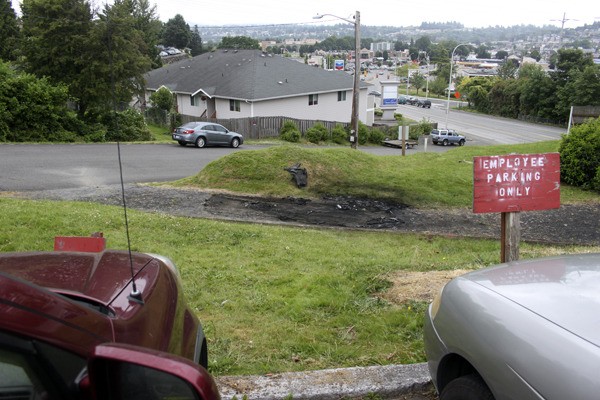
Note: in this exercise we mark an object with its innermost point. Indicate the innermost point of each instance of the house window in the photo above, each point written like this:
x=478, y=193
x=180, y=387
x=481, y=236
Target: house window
x=234, y=105
x=342, y=95
x=194, y=101
x=313, y=99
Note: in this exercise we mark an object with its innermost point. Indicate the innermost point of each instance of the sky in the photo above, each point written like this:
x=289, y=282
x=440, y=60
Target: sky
x=471, y=13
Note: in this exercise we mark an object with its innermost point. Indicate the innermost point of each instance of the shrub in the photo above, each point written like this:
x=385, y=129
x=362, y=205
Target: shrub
x=162, y=99
x=376, y=136
x=128, y=125
x=422, y=128
x=289, y=132
x=317, y=133
x=175, y=120
x=339, y=135
x=363, y=133
x=580, y=155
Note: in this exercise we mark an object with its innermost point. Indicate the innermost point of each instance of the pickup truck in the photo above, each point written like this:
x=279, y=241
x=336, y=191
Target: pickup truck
x=446, y=137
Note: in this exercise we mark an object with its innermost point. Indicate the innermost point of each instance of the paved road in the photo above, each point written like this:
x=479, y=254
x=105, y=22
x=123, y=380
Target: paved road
x=482, y=129
x=58, y=166
x=61, y=166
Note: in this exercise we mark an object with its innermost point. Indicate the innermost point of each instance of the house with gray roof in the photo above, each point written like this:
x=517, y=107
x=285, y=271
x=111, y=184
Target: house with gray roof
x=251, y=83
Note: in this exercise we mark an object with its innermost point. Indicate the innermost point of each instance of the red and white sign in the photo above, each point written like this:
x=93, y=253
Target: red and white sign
x=516, y=182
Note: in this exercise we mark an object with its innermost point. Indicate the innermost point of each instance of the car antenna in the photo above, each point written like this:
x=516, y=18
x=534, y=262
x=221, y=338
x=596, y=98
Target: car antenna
x=135, y=294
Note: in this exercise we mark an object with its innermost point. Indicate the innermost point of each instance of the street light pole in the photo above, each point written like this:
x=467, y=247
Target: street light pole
x=450, y=81
x=355, y=87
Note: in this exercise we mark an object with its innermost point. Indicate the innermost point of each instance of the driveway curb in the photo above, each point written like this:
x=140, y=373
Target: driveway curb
x=387, y=382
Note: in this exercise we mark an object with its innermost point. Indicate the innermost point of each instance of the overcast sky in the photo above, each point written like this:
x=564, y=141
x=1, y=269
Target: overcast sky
x=471, y=13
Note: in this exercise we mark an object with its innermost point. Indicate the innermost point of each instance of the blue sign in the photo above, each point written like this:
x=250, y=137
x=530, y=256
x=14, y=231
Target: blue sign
x=339, y=65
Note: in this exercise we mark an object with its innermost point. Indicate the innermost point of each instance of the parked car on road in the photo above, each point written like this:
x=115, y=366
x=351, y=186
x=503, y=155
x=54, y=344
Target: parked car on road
x=203, y=134
x=412, y=100
x=73, y=327
x=446, y=137
x=523, y=330
x=424, y=103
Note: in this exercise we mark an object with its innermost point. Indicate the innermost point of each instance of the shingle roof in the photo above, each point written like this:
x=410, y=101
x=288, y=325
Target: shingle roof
x=246, y=75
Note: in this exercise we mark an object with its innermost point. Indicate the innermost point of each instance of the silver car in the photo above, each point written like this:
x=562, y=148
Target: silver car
x=203, y=134
x=522, y=330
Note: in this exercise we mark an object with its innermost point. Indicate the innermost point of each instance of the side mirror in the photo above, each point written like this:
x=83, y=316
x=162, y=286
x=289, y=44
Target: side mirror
x=119, y=371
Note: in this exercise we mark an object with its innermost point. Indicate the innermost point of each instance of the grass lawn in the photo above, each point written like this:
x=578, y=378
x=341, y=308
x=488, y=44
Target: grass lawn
x=275, y=299
x=271, y=298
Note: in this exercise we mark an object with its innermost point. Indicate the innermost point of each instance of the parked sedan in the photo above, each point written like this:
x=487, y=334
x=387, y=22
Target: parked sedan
x=522, y=330
x=203, y=134
x=75, y=323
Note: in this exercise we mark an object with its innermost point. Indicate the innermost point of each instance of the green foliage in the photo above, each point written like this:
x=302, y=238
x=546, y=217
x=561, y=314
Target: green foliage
x=363, y=133
x=162, y=99
x=580, y=155
x=317, y=133
x=176, y=32
x=175, y=120
x=239, y=42
x=101, y=57
x=9, y=31
x=376, y=136
x=128, y=125
x=32, y=109
x=339, y=135
x=290, y=132
x=307, y=299
x=424, y=127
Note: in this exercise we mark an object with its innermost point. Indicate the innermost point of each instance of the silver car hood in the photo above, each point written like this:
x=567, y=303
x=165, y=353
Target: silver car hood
x=563, y=290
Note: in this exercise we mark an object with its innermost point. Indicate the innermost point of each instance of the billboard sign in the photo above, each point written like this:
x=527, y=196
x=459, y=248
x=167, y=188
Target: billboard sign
x=516, y=182
x=338, y=65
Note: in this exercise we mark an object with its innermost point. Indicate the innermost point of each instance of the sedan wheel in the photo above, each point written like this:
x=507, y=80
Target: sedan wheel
x=235, y=143
x=200, y=142
x=470, y=387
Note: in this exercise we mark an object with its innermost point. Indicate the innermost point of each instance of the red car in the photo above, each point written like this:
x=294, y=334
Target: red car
x=75, y=325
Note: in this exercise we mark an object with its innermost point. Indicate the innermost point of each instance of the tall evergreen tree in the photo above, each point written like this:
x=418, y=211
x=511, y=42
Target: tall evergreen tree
x=116, y=61
x=195, y=42
x=9, y=30
x=147, y=23
x=177, y=33
x=55, y=36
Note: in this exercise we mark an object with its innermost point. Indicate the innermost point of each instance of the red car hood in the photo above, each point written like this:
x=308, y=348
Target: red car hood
x=101, y=276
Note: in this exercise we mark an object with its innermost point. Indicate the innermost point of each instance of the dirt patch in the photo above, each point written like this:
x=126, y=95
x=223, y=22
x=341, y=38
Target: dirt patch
x=570, y=224
x=419, y=286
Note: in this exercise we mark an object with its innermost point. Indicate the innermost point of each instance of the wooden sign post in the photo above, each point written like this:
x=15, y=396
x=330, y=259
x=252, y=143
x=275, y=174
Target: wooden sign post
x=513, y=183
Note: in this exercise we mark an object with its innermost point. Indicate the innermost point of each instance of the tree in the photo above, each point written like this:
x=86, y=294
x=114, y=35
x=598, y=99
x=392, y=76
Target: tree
x=580, y=155
x=417, y=81
x=147, y=23
x=55, y=33
x=195, y=42
x=9, y=30
x=501, y=55
x=508, y=69
x=177, y=33
x=483, y=52
x=423, y=43
x=239, y=42
x=538, y=92
x=32, y=109
x=116, y=60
